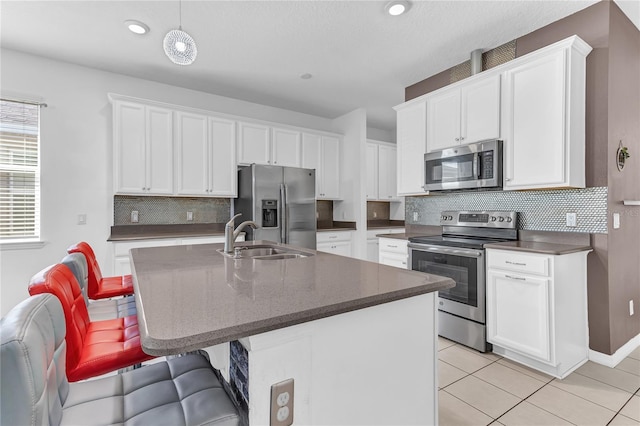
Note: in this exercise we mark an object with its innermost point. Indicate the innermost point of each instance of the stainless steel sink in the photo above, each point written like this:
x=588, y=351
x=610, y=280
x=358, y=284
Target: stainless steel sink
x=266, y=252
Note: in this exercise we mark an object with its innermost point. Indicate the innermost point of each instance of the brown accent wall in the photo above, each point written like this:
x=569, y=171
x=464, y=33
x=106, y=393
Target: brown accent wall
x=624, y=124
x=612, y=113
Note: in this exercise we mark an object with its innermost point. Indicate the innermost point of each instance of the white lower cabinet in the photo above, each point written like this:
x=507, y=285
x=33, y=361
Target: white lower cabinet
x=121, y=262
x=373, y=243
x=537, y=309
x=393, y=252
x=338, y=242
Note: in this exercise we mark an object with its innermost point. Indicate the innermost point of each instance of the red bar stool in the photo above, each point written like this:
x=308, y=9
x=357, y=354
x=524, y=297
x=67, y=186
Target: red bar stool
x=99, y=287
x=93, y=348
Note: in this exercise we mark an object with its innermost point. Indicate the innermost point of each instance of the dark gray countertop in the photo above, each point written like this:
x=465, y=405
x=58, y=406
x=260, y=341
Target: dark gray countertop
x=146, y=232
x=192, y=296
x=539, y=247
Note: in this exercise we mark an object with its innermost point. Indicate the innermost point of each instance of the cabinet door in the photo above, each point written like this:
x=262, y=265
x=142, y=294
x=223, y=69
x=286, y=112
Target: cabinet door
x=387, y=187
x=160, y=150
x=330, y=162
x=253, y=144
x=311, y=157
x=393, y=259
x=518, y=309
x=371, y=165
x=481, y=110
x=192, y=162
x=411, y=137
x=535, y=144
x=130, y=156
x=443, y=120
x=285, y=147
x=223, y=175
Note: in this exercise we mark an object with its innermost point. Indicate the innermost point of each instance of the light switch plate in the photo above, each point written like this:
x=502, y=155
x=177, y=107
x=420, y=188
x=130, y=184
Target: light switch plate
x=616, y=220
x=282, y=403
x=134, y=216
x=572, y=220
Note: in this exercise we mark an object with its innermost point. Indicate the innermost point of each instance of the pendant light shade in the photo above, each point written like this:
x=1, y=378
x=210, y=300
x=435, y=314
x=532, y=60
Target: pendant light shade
x=180, y=47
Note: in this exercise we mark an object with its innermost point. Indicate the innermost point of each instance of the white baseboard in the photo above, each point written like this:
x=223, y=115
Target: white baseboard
x=619, y=355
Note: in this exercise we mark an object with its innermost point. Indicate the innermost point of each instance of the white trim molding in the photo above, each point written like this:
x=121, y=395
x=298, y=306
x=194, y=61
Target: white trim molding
x=619, y=355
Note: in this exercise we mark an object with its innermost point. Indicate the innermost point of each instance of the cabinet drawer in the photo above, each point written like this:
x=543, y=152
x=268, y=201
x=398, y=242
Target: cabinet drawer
x=327, y=237
x=518, y=262
x=393, y=246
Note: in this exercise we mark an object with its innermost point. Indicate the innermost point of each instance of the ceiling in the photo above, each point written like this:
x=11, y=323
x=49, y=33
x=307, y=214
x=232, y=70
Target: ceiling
x=359, y=56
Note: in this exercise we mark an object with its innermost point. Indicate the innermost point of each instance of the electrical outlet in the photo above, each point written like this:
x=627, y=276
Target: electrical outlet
x=282, y=403
x=375, y=214
x=616, y=220
x=82, y=219
x=631, y=312
x=189, y=216
x=415, y=216
x=572, y=220
x=134, y=216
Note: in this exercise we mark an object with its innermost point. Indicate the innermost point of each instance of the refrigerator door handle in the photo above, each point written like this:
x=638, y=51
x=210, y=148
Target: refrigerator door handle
x=283, y=213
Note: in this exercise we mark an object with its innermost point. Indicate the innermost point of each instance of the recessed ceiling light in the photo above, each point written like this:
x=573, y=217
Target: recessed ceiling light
x=305, y=76
x=137, y=26
x=397, y=7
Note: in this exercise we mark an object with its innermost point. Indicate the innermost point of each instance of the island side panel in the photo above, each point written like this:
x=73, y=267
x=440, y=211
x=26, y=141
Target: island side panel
x=374, y=366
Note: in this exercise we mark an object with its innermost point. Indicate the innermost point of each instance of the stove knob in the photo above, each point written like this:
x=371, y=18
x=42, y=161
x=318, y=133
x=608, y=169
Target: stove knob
x=500, y=219
x=450, y=218
x=443, y=218
x=493, y=218
x=509, y=220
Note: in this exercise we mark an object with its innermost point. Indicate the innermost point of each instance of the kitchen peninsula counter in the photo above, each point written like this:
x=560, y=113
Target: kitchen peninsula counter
x=193, y=296
x=359, y=339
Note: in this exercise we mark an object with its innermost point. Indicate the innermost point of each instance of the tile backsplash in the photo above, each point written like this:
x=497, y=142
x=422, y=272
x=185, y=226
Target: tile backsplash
x=539, y=210
x=170, y=210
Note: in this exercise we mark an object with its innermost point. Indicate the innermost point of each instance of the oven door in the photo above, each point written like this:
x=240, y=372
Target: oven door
x=465, y=266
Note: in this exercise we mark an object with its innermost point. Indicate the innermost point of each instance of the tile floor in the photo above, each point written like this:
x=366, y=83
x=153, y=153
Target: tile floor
x=486, y=389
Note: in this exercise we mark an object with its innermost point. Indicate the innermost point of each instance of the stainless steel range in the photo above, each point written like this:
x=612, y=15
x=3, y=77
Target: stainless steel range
x=459, y=254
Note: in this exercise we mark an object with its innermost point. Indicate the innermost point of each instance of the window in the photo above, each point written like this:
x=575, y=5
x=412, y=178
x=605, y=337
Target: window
x=19, y=171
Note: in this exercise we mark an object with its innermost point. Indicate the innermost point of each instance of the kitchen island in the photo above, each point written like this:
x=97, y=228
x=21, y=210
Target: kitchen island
x=358, y=338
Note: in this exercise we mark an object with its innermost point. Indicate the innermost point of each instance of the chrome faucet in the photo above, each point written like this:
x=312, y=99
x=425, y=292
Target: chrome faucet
x=230, y=235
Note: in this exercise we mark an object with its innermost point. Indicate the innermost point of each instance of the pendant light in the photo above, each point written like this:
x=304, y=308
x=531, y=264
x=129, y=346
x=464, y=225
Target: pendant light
x=179, y=46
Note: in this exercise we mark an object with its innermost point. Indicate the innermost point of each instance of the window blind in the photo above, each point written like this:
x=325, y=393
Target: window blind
x=19, y=171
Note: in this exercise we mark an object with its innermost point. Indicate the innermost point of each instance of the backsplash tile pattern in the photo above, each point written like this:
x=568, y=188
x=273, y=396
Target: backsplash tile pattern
x=170, y=210
x=539, y=210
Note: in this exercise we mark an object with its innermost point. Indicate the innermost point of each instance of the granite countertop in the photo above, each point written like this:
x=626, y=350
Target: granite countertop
x=382, y=224
x=192, y=296
x=334, y=225
x=402, y=236
x=539, y=247
x=145, y=232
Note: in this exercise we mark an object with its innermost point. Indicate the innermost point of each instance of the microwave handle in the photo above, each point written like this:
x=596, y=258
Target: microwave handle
x=476, y=165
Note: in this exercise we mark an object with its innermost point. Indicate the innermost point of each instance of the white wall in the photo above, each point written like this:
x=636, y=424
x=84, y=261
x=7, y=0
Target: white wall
x=353, y=177
x=76, y=146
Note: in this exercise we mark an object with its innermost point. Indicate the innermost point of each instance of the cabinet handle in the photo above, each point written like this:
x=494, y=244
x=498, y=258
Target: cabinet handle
x=515, y=263
x=515, y=278
x=334, y=236
x=508, y=179
x=392, y=246
x=457, y=139
x=461, y=139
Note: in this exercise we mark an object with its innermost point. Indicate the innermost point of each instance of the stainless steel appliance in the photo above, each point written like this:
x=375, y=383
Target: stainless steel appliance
x=473, y=166
x=459, y=254
x=281, y=201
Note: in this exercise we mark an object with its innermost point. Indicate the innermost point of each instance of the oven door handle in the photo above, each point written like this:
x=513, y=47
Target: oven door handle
x=443, y=250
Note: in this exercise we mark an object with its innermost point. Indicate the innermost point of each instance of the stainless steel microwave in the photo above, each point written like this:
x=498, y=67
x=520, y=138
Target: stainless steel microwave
x=474, y=166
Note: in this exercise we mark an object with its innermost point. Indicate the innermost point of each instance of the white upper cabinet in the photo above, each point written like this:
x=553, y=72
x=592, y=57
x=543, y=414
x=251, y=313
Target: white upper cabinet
x=411, y=146
x=381, y=172
x=143, y=149
x=254, y=144
x=262, y=144
x=322, y=153
x=466, y=113
x=544, y=125
x=205, y=155
x=192, y=151
x=286, y=147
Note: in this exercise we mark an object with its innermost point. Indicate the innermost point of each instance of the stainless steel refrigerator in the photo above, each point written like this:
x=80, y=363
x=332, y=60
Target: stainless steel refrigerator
x=281, y=201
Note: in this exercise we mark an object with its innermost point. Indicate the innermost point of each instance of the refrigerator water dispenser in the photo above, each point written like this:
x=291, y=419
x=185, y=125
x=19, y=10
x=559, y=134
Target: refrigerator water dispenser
x=269, y=213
